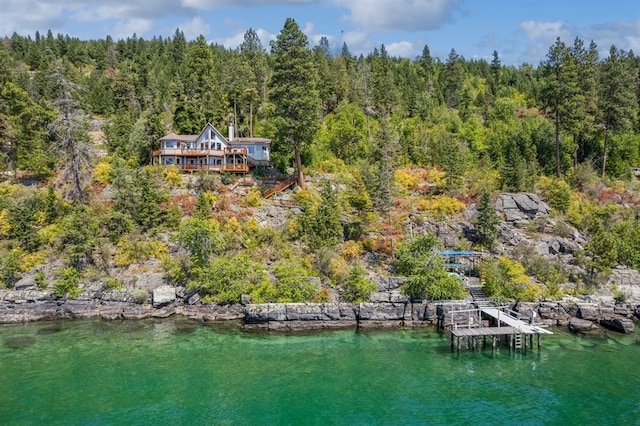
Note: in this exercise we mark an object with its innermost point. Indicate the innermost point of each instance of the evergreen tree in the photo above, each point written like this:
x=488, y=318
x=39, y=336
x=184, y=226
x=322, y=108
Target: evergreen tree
x=293, y=92
x=617, y=102
x=486, y=221
x=70, y=130
x=200, y=101
x=562, y=94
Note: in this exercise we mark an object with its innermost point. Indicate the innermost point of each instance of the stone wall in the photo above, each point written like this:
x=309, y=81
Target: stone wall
x=31, y=305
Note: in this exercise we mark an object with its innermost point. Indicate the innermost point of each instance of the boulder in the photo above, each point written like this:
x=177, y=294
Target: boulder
x=622, y=325
x=163, y=295
x=588, y=312
x=26, y=283
x=578, y=325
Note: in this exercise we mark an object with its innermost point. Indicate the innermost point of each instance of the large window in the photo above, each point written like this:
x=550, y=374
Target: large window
x=170, y=144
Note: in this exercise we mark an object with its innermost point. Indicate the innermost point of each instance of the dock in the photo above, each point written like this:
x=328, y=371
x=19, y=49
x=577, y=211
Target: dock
x=503, y=324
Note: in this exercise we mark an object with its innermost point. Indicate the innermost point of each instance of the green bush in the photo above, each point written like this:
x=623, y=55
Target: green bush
x=225, y=279
x=434, y=284
x=357, y=287
x=112, y=283
x=68, y=283
x=505, y=278
x=140, y=296
x=40, y=279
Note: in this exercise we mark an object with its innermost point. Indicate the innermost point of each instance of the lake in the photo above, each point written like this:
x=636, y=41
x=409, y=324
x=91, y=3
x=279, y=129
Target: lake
x=181, y=373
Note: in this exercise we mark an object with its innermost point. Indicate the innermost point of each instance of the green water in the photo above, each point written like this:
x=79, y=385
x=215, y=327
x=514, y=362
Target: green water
x=174, y=372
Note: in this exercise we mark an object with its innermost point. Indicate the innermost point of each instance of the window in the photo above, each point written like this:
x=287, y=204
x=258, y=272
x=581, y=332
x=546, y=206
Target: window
x=169, y=144
x=251, y=150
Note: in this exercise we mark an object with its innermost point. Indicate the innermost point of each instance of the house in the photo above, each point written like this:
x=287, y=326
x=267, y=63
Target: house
x=209, y=150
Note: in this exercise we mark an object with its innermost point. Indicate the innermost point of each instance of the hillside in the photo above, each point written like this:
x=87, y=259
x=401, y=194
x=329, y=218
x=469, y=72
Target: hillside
x=531, y=166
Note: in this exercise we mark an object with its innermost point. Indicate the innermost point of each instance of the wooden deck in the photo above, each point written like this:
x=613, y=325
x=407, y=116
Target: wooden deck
x=516, y=333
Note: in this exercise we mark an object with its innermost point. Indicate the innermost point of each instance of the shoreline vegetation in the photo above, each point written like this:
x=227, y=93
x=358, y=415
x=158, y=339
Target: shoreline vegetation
x=396, y=161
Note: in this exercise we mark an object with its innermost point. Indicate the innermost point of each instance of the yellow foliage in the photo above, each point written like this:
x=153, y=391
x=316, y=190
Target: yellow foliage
x=28, y=261
x=49, y=233
x=405, y=178
x=5, y=227
x=418, y=178
x=334, y=165
x=251, y=225
x=132, y=250
x=102, y=172
x=441, y=206
x=254, y=198
x=338, y=268
x=232, y=226
x=305, y=197
x=172, y=176
x=351, y=250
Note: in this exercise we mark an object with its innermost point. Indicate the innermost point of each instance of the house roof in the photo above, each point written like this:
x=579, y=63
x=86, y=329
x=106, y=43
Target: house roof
x=192, y=138
x=182, y=138
x=250, y=140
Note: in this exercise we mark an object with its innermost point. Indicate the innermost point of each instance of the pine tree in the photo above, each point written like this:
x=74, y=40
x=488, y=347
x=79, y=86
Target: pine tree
x=70, y=130
x=293, y=92
x=486, y=221
x=562, y=94
x=617, y=102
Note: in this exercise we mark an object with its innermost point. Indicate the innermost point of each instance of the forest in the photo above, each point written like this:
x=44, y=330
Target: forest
x=389, y=144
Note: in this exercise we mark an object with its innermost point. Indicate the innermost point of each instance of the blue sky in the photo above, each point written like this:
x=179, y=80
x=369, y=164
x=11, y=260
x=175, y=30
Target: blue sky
x=520, y=30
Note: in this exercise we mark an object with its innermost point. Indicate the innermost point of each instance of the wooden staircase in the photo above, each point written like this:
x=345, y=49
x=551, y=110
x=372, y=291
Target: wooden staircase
x=479, y=297
x=288, y=182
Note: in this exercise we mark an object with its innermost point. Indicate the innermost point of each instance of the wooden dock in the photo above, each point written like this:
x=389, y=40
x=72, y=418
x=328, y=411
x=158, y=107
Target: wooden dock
x=518, y=335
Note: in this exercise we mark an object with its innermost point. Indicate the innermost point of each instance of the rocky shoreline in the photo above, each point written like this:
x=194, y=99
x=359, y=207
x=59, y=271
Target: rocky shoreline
x=394, y=312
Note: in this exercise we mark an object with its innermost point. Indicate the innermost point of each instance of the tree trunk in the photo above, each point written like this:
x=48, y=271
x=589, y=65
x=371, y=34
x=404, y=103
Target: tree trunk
x=557, y=131
x=299, y=167
x=604, y=151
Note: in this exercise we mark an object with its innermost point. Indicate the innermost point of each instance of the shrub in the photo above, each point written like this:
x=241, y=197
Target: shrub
x=253, y=198
x=226, y=279
x=172, y=176
x=357, y=287
x=441, y=206
x=133, y=249
x=557, y=192
x=292, y=282
x=10, y=268
x=68, y=283
x=434, y=284
x=140, y=296
x=40, y=279
x=102, y=172
x=351, y=250
x=112, y=283
x=505, y=278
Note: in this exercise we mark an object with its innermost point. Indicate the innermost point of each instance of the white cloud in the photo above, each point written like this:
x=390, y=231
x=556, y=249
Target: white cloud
x=624, y=35
x=236, y=40
x=126, y=28
x=542, y=35
x=195, y=27
x=547, y=31
x=405, y=15
x=28, y=16
x=216, y=4
x=404, y=49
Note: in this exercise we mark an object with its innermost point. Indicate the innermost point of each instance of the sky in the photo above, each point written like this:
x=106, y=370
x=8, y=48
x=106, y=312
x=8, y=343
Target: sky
x=521, y=31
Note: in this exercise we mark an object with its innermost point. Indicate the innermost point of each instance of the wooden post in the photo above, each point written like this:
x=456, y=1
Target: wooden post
x=538, y=342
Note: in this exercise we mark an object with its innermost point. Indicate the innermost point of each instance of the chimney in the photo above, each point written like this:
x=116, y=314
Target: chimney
x=230, y=132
